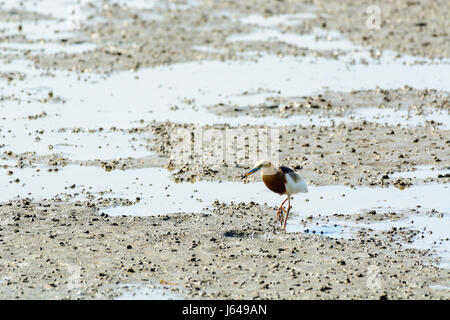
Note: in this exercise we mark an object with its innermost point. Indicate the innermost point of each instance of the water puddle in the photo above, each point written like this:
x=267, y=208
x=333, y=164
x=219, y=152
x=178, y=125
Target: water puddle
x=60, y=9
x=318, y=40
x=152, y=4
x=47, y=47
x=137, y=4
x=422, y=172
x=64, y=8
x=403, y=117
x=433, y=232
x=35, y=30
x=7, y=162
x=76, y=146
x=143, y=292
x=277, y=20
x=441, y=287
x=63, y=19
x=324, y=230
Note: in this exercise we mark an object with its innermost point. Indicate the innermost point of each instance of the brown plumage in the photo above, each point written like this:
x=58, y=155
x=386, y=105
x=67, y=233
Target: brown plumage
x=275, y=182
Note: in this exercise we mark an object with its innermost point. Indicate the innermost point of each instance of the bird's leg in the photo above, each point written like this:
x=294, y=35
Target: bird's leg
x=278, y=218
x=287, y=213
x=282, y=212
x=280, y=208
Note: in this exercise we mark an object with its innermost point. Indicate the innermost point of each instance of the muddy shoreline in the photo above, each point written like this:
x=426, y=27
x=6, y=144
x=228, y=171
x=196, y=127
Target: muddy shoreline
x=235, y=253
x=127, y=38
x=119, y=97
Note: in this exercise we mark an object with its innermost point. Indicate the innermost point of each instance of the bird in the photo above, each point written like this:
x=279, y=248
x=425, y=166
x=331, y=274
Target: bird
x=281, y=180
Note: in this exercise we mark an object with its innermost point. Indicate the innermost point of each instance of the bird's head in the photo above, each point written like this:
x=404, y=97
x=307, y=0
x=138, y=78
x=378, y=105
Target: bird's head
x=258, y=165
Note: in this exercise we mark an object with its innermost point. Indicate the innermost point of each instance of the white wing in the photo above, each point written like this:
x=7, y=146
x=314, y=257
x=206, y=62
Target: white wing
x=295, y=184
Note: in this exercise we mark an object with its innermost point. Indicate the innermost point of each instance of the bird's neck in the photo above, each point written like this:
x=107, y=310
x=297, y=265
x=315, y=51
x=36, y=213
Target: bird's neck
x=268, y=171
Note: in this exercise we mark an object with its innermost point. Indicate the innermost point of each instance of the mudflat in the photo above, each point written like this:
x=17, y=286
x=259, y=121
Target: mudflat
x=99, y=102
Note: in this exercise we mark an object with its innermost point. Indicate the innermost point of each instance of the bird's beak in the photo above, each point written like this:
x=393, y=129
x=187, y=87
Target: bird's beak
x=250, y=172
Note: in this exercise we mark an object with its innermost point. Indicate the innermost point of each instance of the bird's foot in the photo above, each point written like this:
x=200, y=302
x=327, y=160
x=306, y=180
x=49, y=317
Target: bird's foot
x=279, y=215
x=282, y=215
x=277, y=218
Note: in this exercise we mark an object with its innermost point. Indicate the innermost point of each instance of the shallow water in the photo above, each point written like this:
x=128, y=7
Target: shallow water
x=421, y=172
x=34, y=30
x=404, y=117
x=142, y=292
x=159, y=194
x=161, y=93
x=277, y=20
x=441, y=287
x=77, y=146
x=435, y=232
x=55, y=9
x=63, y=9
x=125, y=97
x=322, y=229
x=315, y=41
x=47, y=47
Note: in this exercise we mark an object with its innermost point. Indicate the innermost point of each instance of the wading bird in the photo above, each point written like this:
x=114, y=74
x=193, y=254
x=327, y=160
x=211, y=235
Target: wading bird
x=282, y=180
